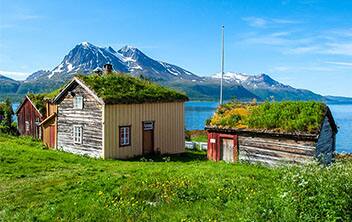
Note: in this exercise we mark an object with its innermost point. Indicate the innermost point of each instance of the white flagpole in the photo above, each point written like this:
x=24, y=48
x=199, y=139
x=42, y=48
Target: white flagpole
x=222, y=64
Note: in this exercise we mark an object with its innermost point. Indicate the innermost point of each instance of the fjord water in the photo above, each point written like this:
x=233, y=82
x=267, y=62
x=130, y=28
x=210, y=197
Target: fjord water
x=197, y=112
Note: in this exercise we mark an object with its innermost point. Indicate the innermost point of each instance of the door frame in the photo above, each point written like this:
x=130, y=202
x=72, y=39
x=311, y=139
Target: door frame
x=234, y=138
x=153, y=138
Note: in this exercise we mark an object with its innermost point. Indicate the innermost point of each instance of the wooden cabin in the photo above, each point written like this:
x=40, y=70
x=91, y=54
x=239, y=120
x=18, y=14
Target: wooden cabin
x=117, y=116
x=36, y=117
x=272, y=146
x=29, y=118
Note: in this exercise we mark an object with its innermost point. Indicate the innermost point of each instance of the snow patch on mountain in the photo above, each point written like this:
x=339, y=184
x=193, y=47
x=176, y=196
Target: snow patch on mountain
x=232, y=76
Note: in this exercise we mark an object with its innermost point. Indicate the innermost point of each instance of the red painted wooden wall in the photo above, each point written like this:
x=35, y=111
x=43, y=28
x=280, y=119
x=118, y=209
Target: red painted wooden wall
x=214, y=145
x=28, y=113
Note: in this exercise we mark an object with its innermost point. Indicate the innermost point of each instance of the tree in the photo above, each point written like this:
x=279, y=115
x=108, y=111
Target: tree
x=6, y=113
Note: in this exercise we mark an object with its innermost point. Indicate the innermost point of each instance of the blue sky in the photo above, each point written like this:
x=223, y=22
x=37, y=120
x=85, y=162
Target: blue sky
x=303, y=43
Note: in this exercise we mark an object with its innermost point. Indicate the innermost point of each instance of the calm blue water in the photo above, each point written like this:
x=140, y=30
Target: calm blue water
x=198, y=112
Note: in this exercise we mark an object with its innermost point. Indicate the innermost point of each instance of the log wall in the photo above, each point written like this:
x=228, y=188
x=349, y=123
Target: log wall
x=275, y=151
x=90, y=118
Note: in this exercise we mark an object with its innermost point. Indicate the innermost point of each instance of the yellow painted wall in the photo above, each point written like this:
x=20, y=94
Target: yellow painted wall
x=168, y=128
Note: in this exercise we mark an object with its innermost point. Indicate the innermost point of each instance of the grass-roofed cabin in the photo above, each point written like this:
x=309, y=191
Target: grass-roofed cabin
x=119, y=116
x=272, y=133
x=36, y=117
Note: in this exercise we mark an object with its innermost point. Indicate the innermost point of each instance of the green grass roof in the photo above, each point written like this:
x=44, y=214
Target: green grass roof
x=39, y=100
x=123, y=88
x=288, y=116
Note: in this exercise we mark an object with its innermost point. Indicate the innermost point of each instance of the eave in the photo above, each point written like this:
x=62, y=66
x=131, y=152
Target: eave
x=264, y=133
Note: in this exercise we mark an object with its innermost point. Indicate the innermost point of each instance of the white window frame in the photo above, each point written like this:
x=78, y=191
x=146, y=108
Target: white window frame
x=125, y=136
x=77, y=134
x=78, y=102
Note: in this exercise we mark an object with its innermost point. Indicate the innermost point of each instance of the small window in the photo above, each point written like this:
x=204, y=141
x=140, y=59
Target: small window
x=78, y=102
x=77, y=134
x=27, y=126
x=125, y=136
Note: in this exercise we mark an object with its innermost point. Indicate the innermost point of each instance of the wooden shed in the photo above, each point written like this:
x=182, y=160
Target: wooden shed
x=236, y=141
x=29, y=118
x=118, y=116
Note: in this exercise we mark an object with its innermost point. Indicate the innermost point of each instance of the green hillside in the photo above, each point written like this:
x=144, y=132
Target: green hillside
x=46, y=185
x=7, y=85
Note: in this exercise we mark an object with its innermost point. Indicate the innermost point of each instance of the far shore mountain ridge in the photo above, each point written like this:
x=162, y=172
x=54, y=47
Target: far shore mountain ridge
x=85, y=57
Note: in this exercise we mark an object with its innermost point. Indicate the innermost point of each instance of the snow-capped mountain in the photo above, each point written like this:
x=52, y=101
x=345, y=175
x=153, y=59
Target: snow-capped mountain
x=252, y=81
x=265, y=87
x=139, y=63
x=232, y=77
x=38, y=74
x=85, y=57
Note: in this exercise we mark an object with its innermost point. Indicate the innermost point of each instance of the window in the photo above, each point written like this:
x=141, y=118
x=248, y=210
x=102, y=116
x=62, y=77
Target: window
x=78, y=102
x=125, y=136
x=77, y=134
x=27, y=126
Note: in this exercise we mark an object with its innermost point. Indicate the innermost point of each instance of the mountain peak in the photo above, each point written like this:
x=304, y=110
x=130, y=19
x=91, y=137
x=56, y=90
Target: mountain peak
x=131, y=52
x=110, y=49
x=127, y=48
x=86, y=44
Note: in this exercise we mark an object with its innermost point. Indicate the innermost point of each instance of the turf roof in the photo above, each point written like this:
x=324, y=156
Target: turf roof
x=285, y=117
x=123, y=88
x=39, y=100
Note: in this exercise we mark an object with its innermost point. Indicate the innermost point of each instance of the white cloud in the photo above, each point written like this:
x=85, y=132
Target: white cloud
x=14, y=75
x=349, y=64
x=304, y=49
x=327, y=42
x=256, y=21
x=284, y=21
x=338, y=49
x=259, y=22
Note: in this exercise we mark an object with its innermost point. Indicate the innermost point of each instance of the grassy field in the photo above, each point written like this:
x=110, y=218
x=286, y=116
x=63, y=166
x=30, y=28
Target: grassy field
x=38, y=184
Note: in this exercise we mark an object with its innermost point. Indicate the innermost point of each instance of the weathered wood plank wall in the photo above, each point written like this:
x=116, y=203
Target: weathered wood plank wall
x=326, y=143
x=29, y=113
x=168, y=128
x=275, y=151
x=90, y=118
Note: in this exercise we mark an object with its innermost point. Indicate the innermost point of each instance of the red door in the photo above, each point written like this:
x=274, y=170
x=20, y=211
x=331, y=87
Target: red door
x=52, y=136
